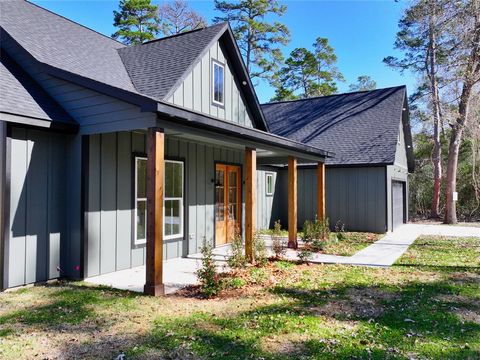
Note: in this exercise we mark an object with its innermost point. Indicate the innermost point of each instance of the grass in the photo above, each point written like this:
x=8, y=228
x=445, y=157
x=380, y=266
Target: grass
x=427, y=306
x=351, y=242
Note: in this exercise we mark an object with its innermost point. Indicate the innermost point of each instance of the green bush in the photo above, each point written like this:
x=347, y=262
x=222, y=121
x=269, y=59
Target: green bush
x=278, y=244
x=233, y=283
x=210, y=284
x=340, y=231
x=237, y=258
x=260, y=250
x=315, y=231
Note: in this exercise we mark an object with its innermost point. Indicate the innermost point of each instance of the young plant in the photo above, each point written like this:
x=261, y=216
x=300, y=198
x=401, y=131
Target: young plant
x=305, y=254
x=316, y=233
x=237, y=259
x=340, y=231
x=260, y=250
x=278, y=244
x=210, y=283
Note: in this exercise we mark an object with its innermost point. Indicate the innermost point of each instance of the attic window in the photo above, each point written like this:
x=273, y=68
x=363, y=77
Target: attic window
x=218, y=83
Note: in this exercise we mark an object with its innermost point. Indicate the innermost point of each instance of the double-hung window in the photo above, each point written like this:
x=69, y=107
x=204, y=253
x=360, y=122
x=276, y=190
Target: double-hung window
x=218, y=83
x=140, y=200
x=173, y=200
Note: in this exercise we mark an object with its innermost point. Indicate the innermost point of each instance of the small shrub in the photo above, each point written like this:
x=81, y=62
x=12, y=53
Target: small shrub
x=260, y=250
x=237, y=258
x=258, y=275
x=304, y=254
x=316, y=233
x=340, y=231
x=210, y=283
x=233, y=283
x=278, y=244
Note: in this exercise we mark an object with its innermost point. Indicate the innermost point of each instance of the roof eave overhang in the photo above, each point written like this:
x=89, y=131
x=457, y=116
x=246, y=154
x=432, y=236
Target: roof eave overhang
x=39, y=122
x=177, y=115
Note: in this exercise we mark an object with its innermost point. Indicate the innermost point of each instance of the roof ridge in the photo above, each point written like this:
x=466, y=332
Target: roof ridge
x=182, y=33
x=74, y=22
x=332, y=95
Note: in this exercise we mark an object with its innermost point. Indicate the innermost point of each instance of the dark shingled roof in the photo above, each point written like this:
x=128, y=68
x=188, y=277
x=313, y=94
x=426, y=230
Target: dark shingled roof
x=21, y=95
x=158, y=67
x=64, y=44
x=360, y=128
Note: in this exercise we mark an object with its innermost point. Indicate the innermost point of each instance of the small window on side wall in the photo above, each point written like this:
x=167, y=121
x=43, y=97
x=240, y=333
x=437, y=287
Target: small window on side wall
x=269, y=184
x=218, y=83
x=140, y=210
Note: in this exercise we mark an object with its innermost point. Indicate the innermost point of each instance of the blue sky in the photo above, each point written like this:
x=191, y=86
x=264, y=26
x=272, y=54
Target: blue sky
x=361, y=32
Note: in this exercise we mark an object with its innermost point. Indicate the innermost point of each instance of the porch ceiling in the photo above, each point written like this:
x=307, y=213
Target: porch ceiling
x=271, y=149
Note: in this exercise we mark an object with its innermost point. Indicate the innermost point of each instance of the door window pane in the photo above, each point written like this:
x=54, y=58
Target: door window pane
x=141, y=220
x=141, y=177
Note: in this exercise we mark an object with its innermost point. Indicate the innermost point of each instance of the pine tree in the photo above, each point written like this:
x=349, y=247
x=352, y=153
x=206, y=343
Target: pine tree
x=136, y=20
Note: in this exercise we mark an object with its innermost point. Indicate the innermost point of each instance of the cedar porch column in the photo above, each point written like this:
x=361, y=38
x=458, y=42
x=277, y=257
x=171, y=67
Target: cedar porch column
x=250, y=200
x=155, y=178
x=321, y=190
x=292, y=202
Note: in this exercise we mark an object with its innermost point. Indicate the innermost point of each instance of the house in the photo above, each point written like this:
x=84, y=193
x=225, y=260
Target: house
x=113, y=157
x=367, y=180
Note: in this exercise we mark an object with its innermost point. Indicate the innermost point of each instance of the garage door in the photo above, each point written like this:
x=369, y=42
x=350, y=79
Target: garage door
x=398, y=203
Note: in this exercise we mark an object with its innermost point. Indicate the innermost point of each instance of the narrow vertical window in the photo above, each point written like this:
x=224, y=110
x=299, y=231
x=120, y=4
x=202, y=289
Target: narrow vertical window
x=173, y=201
x=140, y=200
x=218, y=79
x=269, y=183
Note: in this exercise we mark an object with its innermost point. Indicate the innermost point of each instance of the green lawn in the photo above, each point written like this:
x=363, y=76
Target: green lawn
x=427, y=306
x=351, y=243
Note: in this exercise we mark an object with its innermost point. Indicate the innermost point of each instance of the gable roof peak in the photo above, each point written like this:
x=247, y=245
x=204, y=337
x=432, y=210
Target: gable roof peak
x=214, y=26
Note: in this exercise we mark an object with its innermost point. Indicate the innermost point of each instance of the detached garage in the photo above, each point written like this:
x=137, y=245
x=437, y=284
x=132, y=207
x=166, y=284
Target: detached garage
x=367, y=180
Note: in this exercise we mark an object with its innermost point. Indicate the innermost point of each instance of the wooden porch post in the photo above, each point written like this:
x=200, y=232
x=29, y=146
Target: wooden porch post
x=250, y=200
x=155, y=178
x=321, y=190
x=292, y=202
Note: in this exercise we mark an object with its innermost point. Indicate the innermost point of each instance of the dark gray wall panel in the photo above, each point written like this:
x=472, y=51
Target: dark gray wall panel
x=37, y=224
x=354, y=196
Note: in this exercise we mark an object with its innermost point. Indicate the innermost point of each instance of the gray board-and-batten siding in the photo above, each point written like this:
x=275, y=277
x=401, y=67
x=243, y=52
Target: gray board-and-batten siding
x=355, y=197
x=36, y=206
x=109, y=208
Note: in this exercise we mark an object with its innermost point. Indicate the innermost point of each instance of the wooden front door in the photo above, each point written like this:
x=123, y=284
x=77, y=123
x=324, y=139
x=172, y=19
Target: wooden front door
x=227, y=202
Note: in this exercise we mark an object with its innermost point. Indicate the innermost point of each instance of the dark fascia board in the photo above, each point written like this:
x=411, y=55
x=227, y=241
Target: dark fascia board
x=240, y=68
x=407, y=133
x=37, y=122
x=197, y=120
x=345, y=166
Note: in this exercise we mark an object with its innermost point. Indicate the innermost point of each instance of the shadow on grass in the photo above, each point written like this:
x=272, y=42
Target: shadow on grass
x=390, y=322
x=71, y=304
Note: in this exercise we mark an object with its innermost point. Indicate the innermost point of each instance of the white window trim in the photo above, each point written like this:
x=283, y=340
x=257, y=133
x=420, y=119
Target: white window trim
x=218, y=63
x=267, y=175
x=139, y=241
x=165, y=198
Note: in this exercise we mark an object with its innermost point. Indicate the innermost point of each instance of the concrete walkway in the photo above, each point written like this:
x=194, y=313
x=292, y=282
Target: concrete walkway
x=181, y=272
x=389, y=248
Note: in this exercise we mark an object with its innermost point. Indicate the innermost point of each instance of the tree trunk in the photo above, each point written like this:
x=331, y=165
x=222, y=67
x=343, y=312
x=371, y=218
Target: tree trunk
x=437, y=147
x=453, y=151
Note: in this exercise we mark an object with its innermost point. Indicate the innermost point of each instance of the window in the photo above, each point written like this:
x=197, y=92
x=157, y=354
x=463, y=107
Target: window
x=173, y=201
x=218, y=77
x=269, y=184
x=140, y=200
